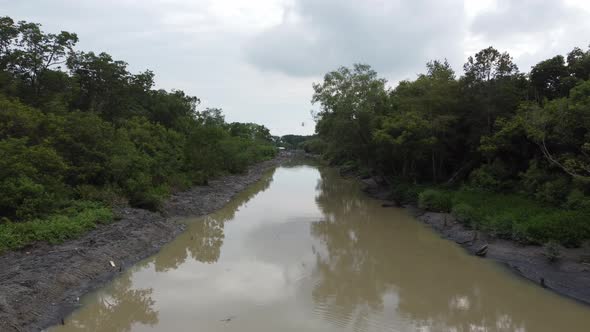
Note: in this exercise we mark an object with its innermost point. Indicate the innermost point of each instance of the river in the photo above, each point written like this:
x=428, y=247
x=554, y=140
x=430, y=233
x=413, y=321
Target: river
x=305, y=250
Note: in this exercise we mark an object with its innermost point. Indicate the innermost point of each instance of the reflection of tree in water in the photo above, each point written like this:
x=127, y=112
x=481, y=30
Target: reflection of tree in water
x=363, y=261
x=204, y=236
x=349, y=287
x=118, y=309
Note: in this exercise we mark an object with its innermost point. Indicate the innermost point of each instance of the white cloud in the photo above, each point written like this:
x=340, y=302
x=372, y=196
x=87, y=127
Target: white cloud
x=257, y=59
x=394, y=37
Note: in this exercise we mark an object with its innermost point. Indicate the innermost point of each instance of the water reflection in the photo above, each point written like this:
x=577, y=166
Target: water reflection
x=305, y=250
x=434, y=285
x=203, y=239
x=120, y=307
x=117, y=308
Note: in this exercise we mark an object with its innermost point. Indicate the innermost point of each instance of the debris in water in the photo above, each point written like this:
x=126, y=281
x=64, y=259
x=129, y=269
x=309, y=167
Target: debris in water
x=112, y=263
x=228, y=319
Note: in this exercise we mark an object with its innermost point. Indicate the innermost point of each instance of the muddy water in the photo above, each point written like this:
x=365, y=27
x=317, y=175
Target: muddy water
x=304, y=250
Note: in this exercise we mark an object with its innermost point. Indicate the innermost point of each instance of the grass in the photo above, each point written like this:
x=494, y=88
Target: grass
x=68, y=224
x=509, y=216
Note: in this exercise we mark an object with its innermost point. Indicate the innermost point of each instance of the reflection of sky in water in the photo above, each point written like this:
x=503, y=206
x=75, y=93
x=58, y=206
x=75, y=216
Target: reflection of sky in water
x=303, y=255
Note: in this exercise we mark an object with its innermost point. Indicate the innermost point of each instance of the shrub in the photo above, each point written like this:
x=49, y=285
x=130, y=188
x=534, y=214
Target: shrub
x=568, y=228
x=577, y=200
x=500, y=225
x=109, y=195
x=533, y=177
x=314, y=146
x=464, y=213
x=405, y=192
x=553, y=192
x=552, y=251
x=435, y=200
x=481, y=178
x=492, y=177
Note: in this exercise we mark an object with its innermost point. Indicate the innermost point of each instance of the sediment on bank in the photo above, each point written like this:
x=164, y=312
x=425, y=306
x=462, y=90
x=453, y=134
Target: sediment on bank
x=42, y=284
x=569, y=275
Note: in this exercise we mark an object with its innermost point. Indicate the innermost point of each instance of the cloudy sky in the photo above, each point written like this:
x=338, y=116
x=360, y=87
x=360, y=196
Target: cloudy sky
x=257, y=59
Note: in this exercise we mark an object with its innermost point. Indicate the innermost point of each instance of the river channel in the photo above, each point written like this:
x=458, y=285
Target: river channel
x=305, y=250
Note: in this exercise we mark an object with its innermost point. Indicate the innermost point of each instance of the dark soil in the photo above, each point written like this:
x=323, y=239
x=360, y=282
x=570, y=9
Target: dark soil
x=41, y=285
x=569, y=275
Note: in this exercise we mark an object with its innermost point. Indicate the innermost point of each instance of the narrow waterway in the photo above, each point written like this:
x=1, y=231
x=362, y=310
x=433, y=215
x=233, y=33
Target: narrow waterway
x=305, y=250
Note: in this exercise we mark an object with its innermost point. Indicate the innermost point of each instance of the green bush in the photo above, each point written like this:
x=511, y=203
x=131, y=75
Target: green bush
x=576, y=200
x=500, y=224
x=30, y=179
x=552, y=251
x=314, y=145
x=553, y=192
x=520, y=218
x=435, y=200
x=404, y=192
x=483, y=179
x=464, y=213
x=109, y=195
x=533, y=177
x=569, y=228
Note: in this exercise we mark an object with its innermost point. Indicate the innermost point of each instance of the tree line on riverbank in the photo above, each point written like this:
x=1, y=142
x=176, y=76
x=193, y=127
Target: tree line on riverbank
x=505, y=151
x=80, y=133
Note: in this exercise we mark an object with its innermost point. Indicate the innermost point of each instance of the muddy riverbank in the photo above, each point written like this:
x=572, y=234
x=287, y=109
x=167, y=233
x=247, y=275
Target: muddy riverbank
x=568, y=276
x=41, y=284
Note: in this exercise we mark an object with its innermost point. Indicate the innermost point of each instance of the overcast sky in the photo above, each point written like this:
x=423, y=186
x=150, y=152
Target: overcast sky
x=257, y=59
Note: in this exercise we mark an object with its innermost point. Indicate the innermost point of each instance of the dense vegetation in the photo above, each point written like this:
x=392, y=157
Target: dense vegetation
x=310, y=144
x=79, y=133
x=507, y=151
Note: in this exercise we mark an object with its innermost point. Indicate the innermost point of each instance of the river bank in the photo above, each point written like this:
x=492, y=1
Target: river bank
x=40, y=285
x=569, y=275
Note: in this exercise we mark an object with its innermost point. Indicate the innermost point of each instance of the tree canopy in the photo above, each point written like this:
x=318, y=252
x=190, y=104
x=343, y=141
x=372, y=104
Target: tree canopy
x=493, y=128
x=79, y=129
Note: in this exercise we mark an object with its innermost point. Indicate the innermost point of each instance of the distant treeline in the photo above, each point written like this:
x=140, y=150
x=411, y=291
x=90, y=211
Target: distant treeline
x=308, y=143
x=79, y=133
x=494, y=130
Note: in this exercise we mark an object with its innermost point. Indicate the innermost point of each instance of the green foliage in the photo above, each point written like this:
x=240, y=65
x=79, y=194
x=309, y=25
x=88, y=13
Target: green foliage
x=518, y=217
x=464, y=213
x=435, y=200
x=569, y=228
x=30, y=179
x=553, y=192
x=314, y=145
x=487, y=177
x=493, y=128
x=405, y=193
x=576, y=200
x=66, y=224
x=94, y=131
x=500, y=224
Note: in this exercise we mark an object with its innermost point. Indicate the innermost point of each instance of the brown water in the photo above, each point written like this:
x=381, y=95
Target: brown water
x=304, y=250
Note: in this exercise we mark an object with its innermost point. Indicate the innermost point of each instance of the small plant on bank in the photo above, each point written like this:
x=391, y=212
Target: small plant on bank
x=435, y=200
x=404, y=193
x=464, y=213
x=552, y=251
